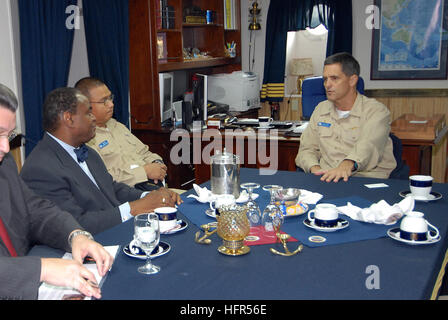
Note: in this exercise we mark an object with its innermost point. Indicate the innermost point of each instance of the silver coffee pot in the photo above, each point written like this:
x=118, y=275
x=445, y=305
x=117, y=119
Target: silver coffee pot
x=225, y=173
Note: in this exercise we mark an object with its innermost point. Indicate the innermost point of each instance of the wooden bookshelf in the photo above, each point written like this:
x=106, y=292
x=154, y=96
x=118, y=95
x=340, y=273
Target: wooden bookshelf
x=146, y=30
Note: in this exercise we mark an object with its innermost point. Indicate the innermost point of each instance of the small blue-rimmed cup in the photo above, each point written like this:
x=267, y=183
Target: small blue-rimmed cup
x=420, y=186
x=325, y=215
x=326, y=223
x=414, y=236
x=415, y=227
x=167, y=217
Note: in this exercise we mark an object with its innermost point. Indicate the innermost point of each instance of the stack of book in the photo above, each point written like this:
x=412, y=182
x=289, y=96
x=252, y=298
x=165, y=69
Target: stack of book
x=165, y=15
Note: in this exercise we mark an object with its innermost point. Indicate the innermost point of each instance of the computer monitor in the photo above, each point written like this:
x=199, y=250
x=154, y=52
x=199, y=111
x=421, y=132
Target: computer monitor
x=166, y=96
x=200, y=97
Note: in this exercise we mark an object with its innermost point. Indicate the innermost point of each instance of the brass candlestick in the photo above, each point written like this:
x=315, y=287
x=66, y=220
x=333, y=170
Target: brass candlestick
x=207, y=233
x=283, y=237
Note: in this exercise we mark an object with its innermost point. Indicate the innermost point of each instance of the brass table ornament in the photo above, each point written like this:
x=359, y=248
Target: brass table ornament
x=283, y=237
x=207, y=233
x=233, y=227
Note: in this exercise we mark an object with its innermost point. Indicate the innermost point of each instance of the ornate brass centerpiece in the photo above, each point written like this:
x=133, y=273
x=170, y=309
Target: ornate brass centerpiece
x=233, y=227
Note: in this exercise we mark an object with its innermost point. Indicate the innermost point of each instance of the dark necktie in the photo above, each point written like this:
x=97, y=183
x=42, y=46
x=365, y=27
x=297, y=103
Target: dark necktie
x=6, y=240
x=81, y=153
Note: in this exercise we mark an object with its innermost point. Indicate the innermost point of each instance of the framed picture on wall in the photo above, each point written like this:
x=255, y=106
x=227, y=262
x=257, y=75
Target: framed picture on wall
x=410, y=40
x=162, y=53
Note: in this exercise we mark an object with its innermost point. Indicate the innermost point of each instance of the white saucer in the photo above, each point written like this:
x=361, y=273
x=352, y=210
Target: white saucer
x=394, y=233
x=270, y=127
x=162, y=249
x=211, y=213
x=342, y=224
x=244, y=197
x=181, y=225
x=433, y=196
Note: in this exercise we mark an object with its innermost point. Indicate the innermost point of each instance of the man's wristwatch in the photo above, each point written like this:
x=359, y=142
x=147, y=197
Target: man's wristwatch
x=355, y=166
x=77, y=233
x=158, y=161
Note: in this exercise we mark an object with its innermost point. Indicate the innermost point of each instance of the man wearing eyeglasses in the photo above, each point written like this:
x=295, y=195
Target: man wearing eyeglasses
x=127, y=159
x=26, y=219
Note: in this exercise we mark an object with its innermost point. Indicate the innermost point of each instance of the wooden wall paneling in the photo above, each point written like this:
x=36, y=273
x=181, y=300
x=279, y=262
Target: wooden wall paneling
x=426, y=106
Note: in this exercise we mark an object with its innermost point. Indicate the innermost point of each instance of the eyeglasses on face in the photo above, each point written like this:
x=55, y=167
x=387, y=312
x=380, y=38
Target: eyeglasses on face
x=10, y=136
x=105, y=100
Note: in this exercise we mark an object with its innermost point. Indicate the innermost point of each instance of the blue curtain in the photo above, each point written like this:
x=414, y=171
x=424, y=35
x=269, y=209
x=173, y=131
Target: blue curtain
x=294, y=15
x=46, y=46
x=107, y=37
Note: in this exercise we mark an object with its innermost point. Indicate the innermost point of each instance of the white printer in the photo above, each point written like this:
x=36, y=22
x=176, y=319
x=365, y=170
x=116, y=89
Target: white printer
x=240, y=90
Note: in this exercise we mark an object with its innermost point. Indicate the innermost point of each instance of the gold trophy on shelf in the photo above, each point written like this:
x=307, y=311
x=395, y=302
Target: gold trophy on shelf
x=233, y=227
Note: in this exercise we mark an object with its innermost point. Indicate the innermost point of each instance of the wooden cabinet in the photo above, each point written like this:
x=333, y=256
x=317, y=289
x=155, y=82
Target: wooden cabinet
x=146, y=27
x=271, y=151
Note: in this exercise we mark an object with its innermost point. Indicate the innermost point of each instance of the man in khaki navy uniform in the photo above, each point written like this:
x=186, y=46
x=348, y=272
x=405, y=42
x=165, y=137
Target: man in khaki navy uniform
x=127, y=159
x=348, y=134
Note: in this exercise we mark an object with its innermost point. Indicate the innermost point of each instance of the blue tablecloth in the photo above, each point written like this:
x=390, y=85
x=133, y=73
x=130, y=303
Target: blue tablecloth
x=356, y=231
x=192, y=271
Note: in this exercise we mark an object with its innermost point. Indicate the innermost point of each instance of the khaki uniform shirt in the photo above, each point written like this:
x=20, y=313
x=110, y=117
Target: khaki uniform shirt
x=362, y=136
x=123, y=153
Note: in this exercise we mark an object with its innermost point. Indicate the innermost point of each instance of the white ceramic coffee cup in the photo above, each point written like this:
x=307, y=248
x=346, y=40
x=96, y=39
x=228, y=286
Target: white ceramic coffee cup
x=221, y=200
x=420, y=186
x=325, y=215
x=264, y=122
x=167, y=218
x=415, y=227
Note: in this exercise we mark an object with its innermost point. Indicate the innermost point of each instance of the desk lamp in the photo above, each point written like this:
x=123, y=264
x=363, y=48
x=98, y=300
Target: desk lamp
x=301, y=68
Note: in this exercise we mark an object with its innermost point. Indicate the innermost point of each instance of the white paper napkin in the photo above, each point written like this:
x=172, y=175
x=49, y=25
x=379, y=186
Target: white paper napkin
x=309, y=197
x=380, y=212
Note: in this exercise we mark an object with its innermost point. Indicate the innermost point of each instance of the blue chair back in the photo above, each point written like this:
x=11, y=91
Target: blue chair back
x=402, y=170
x=313, y=92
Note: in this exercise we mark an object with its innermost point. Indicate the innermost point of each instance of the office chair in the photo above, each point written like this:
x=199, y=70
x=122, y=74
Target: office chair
x=313, y=92
x=401, y=171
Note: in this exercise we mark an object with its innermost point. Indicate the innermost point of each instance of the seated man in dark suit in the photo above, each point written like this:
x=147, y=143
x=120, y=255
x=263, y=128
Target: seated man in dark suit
x=57, y=170
x=26, y=219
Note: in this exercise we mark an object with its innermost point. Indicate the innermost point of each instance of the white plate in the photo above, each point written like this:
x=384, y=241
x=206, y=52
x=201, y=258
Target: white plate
x=305, y=208
x=181, y=225
x=433, y=196
x=394, y=233
x=342, y=224
x=162, y=249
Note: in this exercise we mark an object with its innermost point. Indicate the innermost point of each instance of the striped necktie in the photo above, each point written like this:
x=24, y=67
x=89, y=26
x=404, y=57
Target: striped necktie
x=6, y=240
